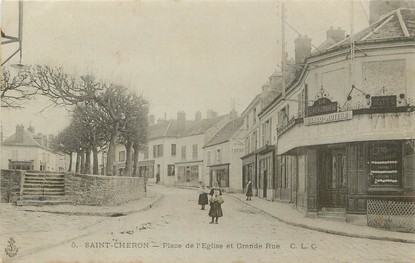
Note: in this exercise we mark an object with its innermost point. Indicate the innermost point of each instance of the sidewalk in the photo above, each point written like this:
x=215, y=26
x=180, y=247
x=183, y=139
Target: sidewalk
x=289, y=215
x=111, y=211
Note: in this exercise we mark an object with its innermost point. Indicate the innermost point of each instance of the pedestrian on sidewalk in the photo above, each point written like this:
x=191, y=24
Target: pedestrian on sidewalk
x=216, y=202
x=249, y=191
x=203, y=195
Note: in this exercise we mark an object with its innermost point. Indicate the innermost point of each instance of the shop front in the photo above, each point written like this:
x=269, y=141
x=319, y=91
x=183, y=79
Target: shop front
x=249, y=172
x=266, y=172
x=220, y=174
x=355, y=163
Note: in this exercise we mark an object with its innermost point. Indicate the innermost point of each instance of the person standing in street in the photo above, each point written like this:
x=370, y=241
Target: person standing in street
x=216, y=202
x=249, y=191
x=203, y=196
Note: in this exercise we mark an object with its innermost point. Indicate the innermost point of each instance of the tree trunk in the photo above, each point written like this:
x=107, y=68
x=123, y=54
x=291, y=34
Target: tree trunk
x=70, y=162
x=95, y=160
x=78, y=161
x=136, y=152
x=87, y=168
x=111, y=151
x=128, y=159
x=82, y=168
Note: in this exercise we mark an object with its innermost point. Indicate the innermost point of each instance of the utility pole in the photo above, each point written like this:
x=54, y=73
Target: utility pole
x=283, y=62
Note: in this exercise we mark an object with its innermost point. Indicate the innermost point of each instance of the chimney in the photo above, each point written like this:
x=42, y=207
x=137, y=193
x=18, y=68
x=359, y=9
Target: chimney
x=275, y=81
x=211, y=114
x=302, y=49
x=19, y=133
x=181, y=121
x=378, y=8
x=198, y=116
x=336, y=34
x=266, y=86
x=152, y=120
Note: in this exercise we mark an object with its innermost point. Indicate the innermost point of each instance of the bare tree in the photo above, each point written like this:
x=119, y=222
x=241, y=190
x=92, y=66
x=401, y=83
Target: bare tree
x=16, y=89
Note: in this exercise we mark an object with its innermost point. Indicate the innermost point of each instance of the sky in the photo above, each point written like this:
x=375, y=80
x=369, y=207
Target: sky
x=180, y=55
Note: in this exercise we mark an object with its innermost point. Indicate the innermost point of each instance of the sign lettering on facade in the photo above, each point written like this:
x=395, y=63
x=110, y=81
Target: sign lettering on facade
x=383, y=102
x=332, y=117
x=322, y=106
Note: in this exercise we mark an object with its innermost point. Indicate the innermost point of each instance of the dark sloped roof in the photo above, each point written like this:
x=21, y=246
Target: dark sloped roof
x=398, y=24
x=201, y=126
x=226, y=132
x=167, y=129
x=28, y=140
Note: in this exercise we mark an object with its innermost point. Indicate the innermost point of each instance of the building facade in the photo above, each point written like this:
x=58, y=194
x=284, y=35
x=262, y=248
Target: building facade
x=347, y=141
x=26, y=150
x=222, y=155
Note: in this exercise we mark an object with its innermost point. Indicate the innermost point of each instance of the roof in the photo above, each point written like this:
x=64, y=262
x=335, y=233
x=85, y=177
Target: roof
x=202, y=126
x=226, y=133
x=166, y=129
x=398, y=24
x=28, y=140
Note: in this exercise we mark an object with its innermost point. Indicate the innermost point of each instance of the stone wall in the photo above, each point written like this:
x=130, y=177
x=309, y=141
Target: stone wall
x=102, y=190
x=10, y=181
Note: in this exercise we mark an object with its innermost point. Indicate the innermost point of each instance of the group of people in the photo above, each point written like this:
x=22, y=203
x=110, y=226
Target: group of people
x=215, y=200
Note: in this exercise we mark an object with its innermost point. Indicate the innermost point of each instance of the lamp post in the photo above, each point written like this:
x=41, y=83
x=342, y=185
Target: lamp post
x=18, y=39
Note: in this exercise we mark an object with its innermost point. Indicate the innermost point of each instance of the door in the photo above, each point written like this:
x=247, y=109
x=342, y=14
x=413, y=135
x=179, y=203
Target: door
x=336, y=183
x=264, y=194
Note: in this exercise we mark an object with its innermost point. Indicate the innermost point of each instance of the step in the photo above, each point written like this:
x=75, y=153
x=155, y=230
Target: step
x=333, y=218
x=45, y=175
x=42, y=197
x=41, y=202
x=41, y=186
x=333, y=209
x=41, y=192
x=38, y=178
x=339, y=214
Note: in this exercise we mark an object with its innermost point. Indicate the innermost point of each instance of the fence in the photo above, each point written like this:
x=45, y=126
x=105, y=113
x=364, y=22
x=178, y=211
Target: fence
x=393, y=215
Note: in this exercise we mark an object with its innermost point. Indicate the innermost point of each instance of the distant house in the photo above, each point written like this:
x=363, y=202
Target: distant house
x=26, y=150
x=189, y=160
x=222, y=155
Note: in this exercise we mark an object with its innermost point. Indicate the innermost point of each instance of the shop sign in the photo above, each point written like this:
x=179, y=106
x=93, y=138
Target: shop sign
x=322, y=106
x=383, y=102
x=332, y=117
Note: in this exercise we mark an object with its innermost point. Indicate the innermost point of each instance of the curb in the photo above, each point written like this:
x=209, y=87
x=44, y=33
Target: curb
x=103, y=214
x=328, y=231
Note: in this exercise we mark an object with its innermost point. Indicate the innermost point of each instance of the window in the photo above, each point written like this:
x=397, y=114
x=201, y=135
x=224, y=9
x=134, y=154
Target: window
x=157, y=151
x=254, y=116
x=146, y=152
x=194, y=173
x=301, y=103
x=283, y=116
x=170, y=170
x=385, y=163
x=266, y=132
x=121, y=156
x=218, y=156
x=209, y=157
x=146, y=171
x=254, y=141
x=173, y=150
x=247, y=144
x=247, y=121
x=194, y=151
x=183, y=152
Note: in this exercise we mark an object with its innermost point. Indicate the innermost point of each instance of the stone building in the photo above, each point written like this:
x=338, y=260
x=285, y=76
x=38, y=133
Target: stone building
x=346, y=128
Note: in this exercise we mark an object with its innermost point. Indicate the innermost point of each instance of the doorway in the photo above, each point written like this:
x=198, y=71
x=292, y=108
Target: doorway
x=264, y=193
x=336, y=179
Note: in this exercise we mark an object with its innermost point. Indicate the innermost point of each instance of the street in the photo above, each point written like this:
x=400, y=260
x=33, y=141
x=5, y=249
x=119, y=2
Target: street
x=176, y=230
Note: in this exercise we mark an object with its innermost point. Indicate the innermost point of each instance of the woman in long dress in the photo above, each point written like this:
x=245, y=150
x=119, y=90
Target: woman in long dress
x=249, y=191
x=203, y=196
